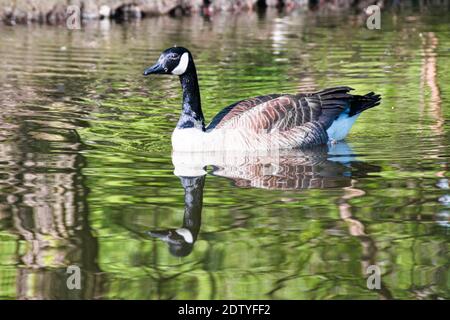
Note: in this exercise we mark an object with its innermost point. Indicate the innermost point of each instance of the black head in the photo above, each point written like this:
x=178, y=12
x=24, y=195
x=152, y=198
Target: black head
x=176, y=60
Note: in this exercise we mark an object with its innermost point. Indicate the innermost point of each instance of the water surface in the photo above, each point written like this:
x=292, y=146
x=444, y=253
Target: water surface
x=87, y=178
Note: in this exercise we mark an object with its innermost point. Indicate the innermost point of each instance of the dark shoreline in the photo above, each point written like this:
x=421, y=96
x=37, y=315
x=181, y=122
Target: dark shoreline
x=54, y=12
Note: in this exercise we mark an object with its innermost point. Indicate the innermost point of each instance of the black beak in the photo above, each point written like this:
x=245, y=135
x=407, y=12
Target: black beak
x=155, y=69
x=164, y=235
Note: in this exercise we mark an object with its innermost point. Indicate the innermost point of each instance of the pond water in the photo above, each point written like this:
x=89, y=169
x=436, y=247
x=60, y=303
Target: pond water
x=87, y=177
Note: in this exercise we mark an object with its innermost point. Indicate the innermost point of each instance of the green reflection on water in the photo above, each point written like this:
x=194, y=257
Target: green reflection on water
x=86, y=165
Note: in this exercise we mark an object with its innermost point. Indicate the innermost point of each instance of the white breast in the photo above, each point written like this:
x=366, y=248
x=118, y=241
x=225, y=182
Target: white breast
x=233, y=139
x=196, y=140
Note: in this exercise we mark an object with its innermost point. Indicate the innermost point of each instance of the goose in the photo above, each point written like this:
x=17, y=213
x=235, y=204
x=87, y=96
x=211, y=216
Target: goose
x=267, y=122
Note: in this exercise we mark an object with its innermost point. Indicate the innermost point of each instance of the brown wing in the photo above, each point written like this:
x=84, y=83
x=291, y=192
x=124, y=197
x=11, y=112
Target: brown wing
x=284, y=112
x=237, y=109
x=281, y=113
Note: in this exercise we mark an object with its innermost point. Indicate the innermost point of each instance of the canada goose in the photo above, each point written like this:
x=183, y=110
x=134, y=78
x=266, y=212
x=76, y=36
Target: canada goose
x=275, y=121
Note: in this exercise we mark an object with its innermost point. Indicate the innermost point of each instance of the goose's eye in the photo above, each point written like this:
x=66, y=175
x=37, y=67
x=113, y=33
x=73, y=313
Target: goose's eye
x=174, y=56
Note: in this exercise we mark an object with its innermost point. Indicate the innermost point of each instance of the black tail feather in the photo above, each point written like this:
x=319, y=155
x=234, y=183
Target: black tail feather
x=334, y=101
x=360, y=103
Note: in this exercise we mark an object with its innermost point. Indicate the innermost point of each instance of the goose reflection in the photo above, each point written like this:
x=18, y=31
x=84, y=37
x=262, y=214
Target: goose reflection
x=181, y=241
x=331, y=166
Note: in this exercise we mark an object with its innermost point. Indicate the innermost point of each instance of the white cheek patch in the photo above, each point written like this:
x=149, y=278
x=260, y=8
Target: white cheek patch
x=186, y=234
x=182, y=65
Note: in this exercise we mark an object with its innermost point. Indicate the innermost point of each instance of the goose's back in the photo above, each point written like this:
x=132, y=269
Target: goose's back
x=271, y=112
x=283, y=112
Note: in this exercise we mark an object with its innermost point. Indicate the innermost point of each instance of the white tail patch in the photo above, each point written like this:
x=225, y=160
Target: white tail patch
x=182, y=65
x=341, y=127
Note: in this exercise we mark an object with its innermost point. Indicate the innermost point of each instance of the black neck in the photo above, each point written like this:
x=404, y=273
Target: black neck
x=193, y=203
x=191, y=115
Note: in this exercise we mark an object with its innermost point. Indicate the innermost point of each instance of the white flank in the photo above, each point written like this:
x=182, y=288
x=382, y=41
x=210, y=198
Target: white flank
x=186, y=234
x=182, y=65
x=341, y=127
x=196, y=140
